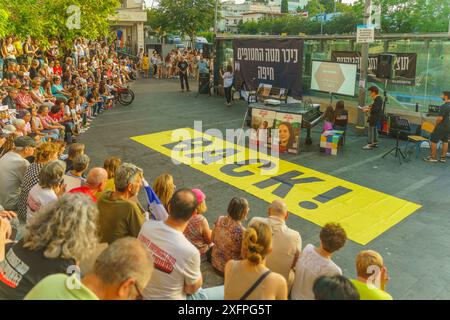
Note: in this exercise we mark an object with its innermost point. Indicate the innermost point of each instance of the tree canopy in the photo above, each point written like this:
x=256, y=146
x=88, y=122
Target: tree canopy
x=186, y=17
x=398, y=16
x=44, y=19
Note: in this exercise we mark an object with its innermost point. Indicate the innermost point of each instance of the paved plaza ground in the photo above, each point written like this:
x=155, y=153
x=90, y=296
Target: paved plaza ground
x=416, y=250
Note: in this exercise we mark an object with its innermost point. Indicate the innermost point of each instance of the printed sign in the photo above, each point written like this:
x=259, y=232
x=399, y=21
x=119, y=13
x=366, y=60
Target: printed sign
x=277, y=62
x=312, y=195
x=365, y=34
x=405, y=65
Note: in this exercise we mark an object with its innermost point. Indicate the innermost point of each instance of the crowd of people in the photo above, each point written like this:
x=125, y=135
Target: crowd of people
x=53, y=92
x=181, y=64
x=159, y=67
x=64, y=221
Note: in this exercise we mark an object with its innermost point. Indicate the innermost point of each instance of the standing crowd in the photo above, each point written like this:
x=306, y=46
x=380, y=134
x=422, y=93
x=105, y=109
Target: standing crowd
x=166, y=67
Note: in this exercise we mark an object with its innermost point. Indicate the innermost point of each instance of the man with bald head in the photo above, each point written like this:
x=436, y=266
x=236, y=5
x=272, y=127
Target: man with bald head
x=95, y=182
x=286, y=243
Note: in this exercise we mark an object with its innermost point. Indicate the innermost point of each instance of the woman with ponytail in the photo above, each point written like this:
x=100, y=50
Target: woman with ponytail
x=250, y=278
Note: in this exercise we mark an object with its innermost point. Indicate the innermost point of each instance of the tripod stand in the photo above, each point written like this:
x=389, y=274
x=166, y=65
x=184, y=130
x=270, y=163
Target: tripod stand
x=396, y=151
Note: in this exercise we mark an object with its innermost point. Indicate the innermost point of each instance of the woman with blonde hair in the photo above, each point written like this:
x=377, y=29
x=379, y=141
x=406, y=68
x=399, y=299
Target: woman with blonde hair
x=60, y=236
x=164, y=188
x=110, y=165
x=250, y=278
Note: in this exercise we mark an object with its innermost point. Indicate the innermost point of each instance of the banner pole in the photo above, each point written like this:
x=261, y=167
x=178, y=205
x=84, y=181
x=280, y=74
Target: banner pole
x=364, y=69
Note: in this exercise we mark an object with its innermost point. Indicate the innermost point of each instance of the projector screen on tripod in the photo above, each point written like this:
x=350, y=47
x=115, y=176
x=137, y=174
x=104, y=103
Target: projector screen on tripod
x=332, y=77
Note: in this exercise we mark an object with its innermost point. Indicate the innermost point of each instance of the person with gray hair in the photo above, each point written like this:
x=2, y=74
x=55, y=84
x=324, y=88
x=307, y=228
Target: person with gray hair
x=119, y=215
x=120, y=272
x=60, y=236
x=50, y=187
x=95, y=182
x=286, y=243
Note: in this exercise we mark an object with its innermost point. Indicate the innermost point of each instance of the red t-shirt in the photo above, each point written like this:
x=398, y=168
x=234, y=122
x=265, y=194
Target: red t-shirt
x=57, y=116
x=57, y=70
x=86, y=191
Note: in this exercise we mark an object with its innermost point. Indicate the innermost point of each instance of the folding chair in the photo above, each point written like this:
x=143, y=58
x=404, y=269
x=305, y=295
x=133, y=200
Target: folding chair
x=426, y=129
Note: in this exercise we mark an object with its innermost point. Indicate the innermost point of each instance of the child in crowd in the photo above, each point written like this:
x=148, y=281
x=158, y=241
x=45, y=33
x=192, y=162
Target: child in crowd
x=75, y=177
x=75, y=149
x=198, y=231
x=57, y=111
x=328, y=119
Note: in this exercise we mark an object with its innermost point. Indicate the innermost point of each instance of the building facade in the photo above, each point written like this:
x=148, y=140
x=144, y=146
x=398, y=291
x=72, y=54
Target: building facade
x=232, y=14
x=129, y=25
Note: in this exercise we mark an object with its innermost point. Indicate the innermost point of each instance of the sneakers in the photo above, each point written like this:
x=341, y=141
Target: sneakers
x=369, y=147
x=443, y=160
x=430, y=159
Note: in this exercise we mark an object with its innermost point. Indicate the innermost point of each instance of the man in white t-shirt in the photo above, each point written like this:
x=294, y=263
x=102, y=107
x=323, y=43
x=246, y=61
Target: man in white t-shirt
x=286, y=243
x=315, y=262
x=177, y=262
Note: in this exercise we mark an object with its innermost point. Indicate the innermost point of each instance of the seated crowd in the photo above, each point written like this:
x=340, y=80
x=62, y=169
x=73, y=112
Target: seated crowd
x=69, y=231
x=72, y=231
x=53, y=93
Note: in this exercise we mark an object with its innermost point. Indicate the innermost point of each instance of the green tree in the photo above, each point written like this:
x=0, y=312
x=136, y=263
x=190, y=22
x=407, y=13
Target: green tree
x=284, y=6
x=404, y=16
x=43, y=19
x=186, y=16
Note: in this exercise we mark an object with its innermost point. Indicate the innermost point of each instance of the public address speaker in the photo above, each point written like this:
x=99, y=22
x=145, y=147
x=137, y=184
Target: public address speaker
x=386, y=66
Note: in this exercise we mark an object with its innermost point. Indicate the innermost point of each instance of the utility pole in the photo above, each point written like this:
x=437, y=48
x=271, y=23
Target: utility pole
x=449, y=25
x=215, y=17
x=364, y=68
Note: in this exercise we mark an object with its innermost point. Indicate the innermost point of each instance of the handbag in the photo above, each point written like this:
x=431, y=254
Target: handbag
x=255, y=285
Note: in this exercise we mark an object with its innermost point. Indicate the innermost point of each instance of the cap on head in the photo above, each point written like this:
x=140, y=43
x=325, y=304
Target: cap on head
x=9, y=129
x=23, y=142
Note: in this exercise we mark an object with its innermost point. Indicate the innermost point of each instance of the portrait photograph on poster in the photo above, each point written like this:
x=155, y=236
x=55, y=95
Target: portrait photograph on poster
x=288, y=134
x=262, y=124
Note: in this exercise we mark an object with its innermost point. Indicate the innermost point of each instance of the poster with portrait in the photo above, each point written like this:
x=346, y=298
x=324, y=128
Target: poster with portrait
x=287, y=135
x=262, y=124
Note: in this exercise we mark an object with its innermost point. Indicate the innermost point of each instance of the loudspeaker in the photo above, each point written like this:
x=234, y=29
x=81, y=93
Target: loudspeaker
x=203, y=83
x=386, y=66
x=207, y=50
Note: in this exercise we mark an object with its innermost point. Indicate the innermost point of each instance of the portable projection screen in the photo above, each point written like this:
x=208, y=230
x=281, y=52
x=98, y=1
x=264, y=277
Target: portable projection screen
x=332, y=77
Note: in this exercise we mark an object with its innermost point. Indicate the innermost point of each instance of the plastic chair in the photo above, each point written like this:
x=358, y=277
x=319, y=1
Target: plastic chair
x=426, y=129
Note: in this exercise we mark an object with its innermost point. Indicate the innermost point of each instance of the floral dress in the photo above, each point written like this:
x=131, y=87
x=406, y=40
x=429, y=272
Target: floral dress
x=227, y=237
x=194, y=233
